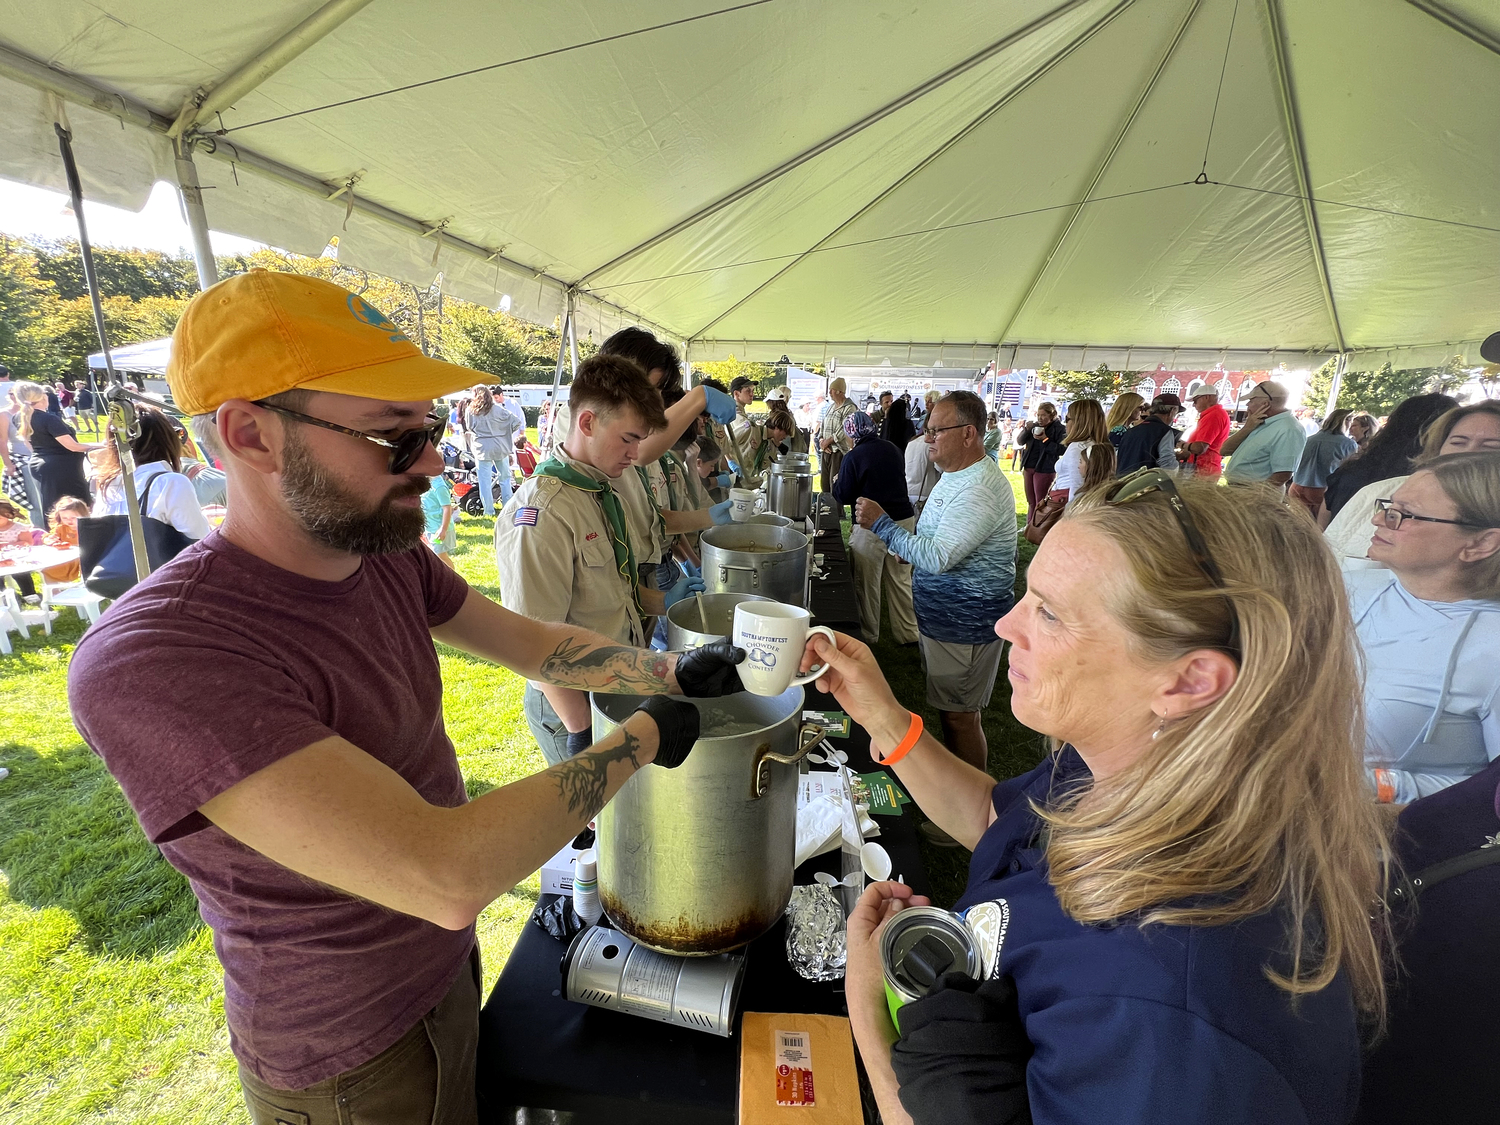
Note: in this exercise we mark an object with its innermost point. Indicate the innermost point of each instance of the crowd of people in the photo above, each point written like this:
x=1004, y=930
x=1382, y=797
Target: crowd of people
x=1204, y=886
x=53, y=478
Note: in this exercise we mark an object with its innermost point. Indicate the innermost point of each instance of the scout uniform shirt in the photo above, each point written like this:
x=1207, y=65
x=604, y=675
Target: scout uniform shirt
x=647, y=532
x=556, y=557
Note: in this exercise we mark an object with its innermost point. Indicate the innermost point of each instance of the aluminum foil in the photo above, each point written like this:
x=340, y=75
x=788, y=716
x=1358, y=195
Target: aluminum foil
x=815, y=934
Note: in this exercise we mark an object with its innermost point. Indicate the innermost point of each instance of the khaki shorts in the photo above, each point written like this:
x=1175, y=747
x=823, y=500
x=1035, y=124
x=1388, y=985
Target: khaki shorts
x=960, y=677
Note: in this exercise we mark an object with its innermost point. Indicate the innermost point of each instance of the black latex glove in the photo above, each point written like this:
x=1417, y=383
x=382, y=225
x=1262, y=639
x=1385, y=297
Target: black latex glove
x=710, y=670
x=579, y=741
x=676, y=728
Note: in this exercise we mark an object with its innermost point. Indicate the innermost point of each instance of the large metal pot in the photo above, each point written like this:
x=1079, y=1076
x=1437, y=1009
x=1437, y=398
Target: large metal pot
x=751, y=558
x=789, y=487
x=699, y=859
x=686, y=628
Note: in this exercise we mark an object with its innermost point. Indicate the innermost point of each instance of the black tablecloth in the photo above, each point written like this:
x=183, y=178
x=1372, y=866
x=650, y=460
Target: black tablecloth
x=539, y=1050
x=833, y=601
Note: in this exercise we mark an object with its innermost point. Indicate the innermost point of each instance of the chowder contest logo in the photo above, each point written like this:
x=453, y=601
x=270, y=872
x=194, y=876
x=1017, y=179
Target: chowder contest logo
x=363, y=310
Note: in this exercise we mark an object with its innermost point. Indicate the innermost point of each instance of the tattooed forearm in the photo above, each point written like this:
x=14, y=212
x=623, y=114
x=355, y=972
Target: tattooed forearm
x=583, y=781
x=610, y=668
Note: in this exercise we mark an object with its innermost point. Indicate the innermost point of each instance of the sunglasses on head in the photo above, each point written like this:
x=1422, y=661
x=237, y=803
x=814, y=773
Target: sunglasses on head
x=406, y=448
x=1140, y=483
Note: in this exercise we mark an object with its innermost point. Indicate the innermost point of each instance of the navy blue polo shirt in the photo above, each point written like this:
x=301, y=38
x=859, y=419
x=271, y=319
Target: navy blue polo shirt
x=1166, y=1025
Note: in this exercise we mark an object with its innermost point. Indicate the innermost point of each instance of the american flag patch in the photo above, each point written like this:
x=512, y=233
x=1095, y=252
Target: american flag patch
x=526, y=517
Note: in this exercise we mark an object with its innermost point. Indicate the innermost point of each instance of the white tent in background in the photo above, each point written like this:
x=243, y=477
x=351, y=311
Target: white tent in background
x=854, y=178
x=146, y=358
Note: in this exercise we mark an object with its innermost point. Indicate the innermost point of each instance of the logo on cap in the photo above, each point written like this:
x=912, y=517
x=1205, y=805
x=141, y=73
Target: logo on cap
x=363, y=310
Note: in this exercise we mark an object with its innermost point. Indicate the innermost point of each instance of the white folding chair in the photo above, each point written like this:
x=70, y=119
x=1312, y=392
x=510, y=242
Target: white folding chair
x=23, y=617
x=83, y=601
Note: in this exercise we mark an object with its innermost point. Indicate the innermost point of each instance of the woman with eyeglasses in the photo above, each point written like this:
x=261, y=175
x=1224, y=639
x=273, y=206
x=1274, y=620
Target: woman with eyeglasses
x=1191, y=876
x=1430, y=431
x=1430, y=628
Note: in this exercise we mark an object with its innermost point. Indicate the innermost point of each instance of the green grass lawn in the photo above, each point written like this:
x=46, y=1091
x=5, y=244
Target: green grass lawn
x=111, y=1002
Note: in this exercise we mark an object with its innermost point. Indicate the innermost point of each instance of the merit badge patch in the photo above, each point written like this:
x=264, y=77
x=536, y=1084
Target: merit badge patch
x=526, y=517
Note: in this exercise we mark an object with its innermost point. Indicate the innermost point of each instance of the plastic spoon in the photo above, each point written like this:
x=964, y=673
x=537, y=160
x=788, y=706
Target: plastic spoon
x=853, y=879
x=876, y=861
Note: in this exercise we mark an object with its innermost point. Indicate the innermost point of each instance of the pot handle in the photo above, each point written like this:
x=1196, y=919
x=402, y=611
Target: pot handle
x=807, y=738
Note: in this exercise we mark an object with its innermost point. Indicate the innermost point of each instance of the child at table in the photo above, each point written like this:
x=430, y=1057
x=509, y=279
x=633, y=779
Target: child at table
x=63, y=519
x=15, y=533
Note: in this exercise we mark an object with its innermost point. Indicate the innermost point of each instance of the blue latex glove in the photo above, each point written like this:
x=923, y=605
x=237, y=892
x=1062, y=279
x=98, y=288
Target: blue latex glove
x=684, y=587
x=720, y=405
x=719, y=513
x=724, y=480
x=733, y=465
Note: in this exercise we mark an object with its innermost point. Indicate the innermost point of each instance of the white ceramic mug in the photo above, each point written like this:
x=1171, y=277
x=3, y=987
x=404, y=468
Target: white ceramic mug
x=773, y=636
x=744, y=503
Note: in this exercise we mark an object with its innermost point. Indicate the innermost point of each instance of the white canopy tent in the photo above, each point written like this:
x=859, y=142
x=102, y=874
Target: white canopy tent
x=149, y=357
x=851, y=178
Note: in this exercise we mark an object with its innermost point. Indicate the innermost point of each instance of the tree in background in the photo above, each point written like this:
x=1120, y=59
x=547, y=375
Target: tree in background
x=1102, y=383
x=1378, y=392
x=135, y=274
x=763, y=375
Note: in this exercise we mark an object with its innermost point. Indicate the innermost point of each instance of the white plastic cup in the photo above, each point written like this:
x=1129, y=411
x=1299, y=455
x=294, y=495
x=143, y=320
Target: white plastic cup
x=774, y=636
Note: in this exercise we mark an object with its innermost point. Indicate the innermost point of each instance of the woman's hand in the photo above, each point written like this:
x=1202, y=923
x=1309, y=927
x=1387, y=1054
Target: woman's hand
x=864, y=977
x=855, y=680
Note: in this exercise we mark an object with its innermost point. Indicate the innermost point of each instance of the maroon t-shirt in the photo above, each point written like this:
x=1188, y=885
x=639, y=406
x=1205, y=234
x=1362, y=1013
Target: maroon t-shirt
x=220, y=664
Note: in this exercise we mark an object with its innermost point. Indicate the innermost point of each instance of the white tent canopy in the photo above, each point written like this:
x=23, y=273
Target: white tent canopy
x=146, y=358
x=851, y=178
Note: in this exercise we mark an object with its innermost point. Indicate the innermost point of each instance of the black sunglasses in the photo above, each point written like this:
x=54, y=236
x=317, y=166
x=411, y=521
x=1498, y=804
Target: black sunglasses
x=406, y=449
x=1138, y=484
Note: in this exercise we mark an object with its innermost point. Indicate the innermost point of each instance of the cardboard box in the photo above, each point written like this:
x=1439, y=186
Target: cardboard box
x=776, y=1052
x=557, y=872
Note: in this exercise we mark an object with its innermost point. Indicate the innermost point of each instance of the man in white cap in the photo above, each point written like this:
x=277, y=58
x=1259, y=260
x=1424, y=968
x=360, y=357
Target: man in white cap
x=1209, y=434
x=270, y=702
x=1268, y=447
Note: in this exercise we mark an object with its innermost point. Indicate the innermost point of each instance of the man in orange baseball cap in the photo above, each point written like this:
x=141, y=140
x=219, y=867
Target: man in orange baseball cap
x=271, y=703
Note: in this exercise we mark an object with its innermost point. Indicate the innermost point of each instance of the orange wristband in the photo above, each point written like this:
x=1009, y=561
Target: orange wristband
x=1385, y=787
x=913, y=733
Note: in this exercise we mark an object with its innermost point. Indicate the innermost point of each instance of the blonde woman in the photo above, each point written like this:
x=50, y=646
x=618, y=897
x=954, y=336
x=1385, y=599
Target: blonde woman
x=1088, y=458
x=61, y=469
x=1193, y=877
x=1129, y=410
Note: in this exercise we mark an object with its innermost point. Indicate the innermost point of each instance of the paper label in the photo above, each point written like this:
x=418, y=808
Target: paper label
x=647, y=985
x=794, y=1076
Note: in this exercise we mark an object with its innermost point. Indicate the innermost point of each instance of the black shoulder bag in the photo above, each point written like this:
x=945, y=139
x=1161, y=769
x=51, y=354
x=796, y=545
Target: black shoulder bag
x=105, y=555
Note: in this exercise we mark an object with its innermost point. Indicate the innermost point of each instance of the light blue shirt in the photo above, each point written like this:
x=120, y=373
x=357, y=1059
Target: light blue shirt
x=1275, y=446
x=1432, y=671
x=963, y=554
x=1320, y=456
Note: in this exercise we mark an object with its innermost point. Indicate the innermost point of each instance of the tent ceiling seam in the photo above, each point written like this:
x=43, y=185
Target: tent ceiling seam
x=1299, y=163
x=31, y=72
x=827, y=143
x=1103, y=168
x=1455, y=22
x=1021, y=87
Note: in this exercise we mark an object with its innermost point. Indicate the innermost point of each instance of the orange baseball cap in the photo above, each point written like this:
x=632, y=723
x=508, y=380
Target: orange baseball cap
x=260, y=333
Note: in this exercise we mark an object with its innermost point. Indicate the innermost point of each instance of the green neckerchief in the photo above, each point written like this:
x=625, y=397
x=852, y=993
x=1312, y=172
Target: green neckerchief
x=761, y=452
x=668, y=462
x=614, y=516
x=661, y=520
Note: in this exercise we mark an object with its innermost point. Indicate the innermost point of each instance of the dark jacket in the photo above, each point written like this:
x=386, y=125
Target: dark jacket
x=1139, y=444
x=896, y=427
x=1041, y=453
x=1172, y=1025
x=876, y=470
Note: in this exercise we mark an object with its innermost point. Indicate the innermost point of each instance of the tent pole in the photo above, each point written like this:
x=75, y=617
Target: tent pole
x=120, y=413
x=1298, y=146
x=557, y=374
x=1340, y=365
x=1448, y=17
x=962, y=67
x=1102, y=170
x=209, y=99
x=1015, y=91
x=197, y=218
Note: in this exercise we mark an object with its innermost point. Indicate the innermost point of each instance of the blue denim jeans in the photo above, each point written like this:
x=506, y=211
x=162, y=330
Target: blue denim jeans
x=486, y=470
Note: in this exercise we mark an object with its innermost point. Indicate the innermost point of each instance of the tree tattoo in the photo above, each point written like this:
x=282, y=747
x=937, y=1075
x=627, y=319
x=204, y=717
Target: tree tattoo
x=582, y=780
x=608, y=668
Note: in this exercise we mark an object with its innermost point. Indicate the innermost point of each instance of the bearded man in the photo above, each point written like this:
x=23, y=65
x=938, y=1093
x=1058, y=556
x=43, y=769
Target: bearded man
x=271, y=703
